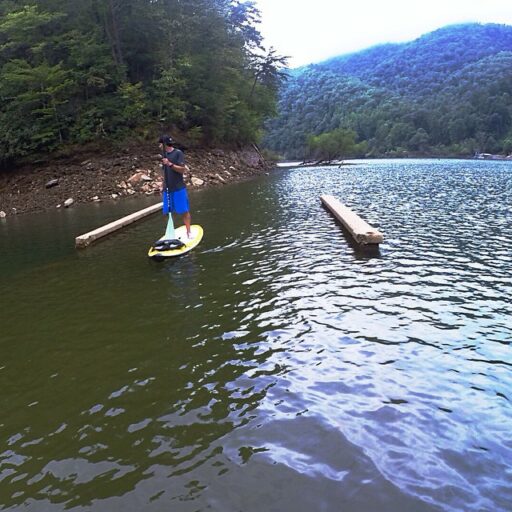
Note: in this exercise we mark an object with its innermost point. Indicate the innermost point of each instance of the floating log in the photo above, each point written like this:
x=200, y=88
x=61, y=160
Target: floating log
x=361, y=231
x=88, y=238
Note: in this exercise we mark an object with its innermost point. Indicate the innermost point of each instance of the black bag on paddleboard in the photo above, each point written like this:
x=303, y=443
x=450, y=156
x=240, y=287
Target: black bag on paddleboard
x=168, y=245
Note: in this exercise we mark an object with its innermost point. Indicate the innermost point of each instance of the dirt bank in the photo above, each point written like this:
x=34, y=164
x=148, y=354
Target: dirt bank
x=99, y=177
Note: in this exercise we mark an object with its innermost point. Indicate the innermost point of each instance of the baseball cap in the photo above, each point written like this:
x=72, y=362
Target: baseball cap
x=166, y=139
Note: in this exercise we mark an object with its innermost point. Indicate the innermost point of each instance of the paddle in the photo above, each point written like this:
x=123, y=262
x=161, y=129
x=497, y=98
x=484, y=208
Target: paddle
x=169, y=232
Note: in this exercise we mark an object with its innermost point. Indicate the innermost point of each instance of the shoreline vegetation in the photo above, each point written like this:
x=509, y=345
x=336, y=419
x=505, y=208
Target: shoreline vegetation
x=90, y=75
x=448, y=92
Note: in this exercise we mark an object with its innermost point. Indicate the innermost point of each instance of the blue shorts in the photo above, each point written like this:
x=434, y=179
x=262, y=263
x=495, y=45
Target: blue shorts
x=175, y=202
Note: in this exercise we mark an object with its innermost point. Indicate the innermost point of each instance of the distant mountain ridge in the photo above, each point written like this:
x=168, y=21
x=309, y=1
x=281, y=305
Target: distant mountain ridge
x=447, y=92
x=396, y=64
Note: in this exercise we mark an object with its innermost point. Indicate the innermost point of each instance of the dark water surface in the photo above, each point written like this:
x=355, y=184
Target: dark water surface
x=274, y=368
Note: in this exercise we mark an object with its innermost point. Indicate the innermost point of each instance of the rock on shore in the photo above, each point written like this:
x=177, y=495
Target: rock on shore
x=104, y=177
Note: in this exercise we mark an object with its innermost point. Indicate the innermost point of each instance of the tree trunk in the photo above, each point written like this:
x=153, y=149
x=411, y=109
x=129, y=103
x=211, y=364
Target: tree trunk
x=113, y=8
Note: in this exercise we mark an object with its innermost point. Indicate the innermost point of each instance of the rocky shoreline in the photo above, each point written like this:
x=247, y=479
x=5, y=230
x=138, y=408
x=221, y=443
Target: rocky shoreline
x=101, y=177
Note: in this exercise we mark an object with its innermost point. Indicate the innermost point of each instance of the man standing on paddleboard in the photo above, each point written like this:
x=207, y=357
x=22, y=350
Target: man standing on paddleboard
x=174, y=190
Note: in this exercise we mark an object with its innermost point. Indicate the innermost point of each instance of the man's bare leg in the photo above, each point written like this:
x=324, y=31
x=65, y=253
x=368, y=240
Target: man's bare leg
x=187, y=221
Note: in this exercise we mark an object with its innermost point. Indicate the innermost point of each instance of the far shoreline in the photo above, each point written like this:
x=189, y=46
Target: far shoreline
x=286, y=164
x=103, y=177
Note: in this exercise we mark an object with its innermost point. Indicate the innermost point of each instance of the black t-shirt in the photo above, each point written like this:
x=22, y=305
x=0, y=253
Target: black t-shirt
x=174, y=179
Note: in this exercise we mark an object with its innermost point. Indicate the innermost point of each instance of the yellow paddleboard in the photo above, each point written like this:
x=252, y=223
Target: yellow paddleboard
x=196, y=233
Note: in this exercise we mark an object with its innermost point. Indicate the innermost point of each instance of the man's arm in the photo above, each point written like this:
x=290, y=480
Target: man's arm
x=175, y=167
x=179, y=168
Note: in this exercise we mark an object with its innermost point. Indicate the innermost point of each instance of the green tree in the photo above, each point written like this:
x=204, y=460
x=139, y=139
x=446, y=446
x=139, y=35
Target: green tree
x=420, y=141
x=76, y=70
x=34, y=115
x=334, y=145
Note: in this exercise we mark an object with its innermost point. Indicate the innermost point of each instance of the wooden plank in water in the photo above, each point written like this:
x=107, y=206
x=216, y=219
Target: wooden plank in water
x=88, y=238
x=360, y=230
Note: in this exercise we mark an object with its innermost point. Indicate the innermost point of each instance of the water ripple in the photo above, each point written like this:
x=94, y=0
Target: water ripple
x=278, y=367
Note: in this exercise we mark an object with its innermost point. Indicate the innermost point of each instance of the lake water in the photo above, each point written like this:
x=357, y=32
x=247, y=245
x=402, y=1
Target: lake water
x=274, y=368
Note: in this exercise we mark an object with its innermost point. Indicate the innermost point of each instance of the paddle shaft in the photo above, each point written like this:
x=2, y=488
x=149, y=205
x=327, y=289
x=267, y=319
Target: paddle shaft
x=169, y=231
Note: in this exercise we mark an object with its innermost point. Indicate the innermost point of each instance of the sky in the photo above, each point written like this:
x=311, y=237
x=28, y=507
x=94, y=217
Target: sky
x=314, y=30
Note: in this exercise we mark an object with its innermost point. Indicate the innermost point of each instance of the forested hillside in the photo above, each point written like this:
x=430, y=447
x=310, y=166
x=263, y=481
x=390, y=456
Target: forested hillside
x=446, y=93
x=75, y=71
